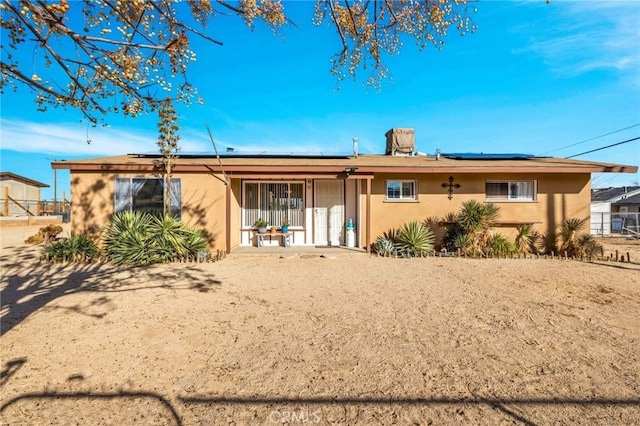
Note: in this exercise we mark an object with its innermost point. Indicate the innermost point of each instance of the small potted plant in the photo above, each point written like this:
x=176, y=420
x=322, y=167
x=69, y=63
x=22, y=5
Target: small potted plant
x=284, y=226
x=261, y=224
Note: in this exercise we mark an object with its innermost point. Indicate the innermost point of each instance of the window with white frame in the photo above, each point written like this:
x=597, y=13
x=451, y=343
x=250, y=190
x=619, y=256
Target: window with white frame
x=147, y=195
x=401, y=190
x=273, y=202
x=511, y=190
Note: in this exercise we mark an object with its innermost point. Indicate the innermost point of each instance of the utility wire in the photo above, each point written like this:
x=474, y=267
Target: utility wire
x=604, y=147
x=591, y=139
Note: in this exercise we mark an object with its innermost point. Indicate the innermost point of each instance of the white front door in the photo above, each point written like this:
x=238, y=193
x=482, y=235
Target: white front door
x=328, y=221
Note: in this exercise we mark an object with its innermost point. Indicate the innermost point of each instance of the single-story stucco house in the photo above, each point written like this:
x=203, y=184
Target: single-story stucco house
x=318, y=194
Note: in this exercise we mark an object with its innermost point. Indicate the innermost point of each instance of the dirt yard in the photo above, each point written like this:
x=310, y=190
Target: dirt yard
x=341, y=339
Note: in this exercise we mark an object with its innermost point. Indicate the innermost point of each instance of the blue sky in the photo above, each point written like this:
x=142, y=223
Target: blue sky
x=533, y=78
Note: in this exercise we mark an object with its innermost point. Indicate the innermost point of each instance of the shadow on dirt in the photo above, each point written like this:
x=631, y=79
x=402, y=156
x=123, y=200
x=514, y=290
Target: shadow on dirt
x=510, y=407
x=27, y=285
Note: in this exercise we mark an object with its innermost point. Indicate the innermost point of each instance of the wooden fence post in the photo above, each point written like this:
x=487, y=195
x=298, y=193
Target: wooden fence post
x=6, y=201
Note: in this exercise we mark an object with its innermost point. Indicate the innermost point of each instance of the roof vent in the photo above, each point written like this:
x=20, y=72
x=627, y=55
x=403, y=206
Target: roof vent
x=400, y=142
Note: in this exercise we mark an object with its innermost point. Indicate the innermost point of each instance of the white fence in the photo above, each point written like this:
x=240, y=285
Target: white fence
x=605, y=223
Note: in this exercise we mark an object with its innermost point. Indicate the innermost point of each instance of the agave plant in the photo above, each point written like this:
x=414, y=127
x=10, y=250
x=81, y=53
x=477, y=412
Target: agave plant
x=384, y=247
x=126, y=239
x=138, y=239
x=414, y=239
x=167, y=236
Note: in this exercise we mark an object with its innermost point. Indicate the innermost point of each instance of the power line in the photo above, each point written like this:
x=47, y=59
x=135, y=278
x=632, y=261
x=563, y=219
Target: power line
x=591, y=139
x=604, y=147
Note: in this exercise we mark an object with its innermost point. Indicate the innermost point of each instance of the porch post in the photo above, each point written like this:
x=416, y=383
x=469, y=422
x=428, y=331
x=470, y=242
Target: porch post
x=368, y=220
x=228, y=216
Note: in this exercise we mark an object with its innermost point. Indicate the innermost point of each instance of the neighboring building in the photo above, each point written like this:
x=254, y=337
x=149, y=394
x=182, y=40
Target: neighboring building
x=318, y=194
x=615, y=210
x=20, y=195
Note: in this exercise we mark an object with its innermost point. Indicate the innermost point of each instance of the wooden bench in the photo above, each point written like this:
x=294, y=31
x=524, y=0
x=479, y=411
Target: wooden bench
x=284, y=237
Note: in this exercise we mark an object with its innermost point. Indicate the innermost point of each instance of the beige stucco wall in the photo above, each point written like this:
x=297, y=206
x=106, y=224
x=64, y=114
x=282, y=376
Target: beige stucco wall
x=203, y=202
x=560, y=196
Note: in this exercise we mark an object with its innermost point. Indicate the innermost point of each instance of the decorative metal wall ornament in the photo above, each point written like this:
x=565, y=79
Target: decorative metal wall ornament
x=451, y=186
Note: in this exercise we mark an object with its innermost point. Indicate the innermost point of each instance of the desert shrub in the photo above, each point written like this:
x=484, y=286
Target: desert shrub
x=139, y=238
x=46, y=234
x=77, y=248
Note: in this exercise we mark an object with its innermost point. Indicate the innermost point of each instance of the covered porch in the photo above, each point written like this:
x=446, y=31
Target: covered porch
x=317, y=208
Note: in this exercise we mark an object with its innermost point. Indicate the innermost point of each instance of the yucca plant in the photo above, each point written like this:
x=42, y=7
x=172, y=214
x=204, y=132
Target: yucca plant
x=537, y=242
x=464, y=243
x=549, y=242
x=476, y=219
x=587, y=247
x=499, y=245
x=525, y=243
x=413, y=239
x=568, y=232
x=77, y=248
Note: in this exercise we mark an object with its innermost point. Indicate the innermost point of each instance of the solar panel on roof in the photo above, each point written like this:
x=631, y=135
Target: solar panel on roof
x=483, y=156
x=236, y=154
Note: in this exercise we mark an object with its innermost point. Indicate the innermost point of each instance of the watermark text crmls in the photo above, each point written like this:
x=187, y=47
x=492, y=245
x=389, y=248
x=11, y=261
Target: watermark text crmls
x=295, y=416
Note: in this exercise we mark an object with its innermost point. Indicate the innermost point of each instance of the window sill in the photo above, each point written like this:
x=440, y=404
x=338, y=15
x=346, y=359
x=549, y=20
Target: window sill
x=401, y=201
x=502, y=200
